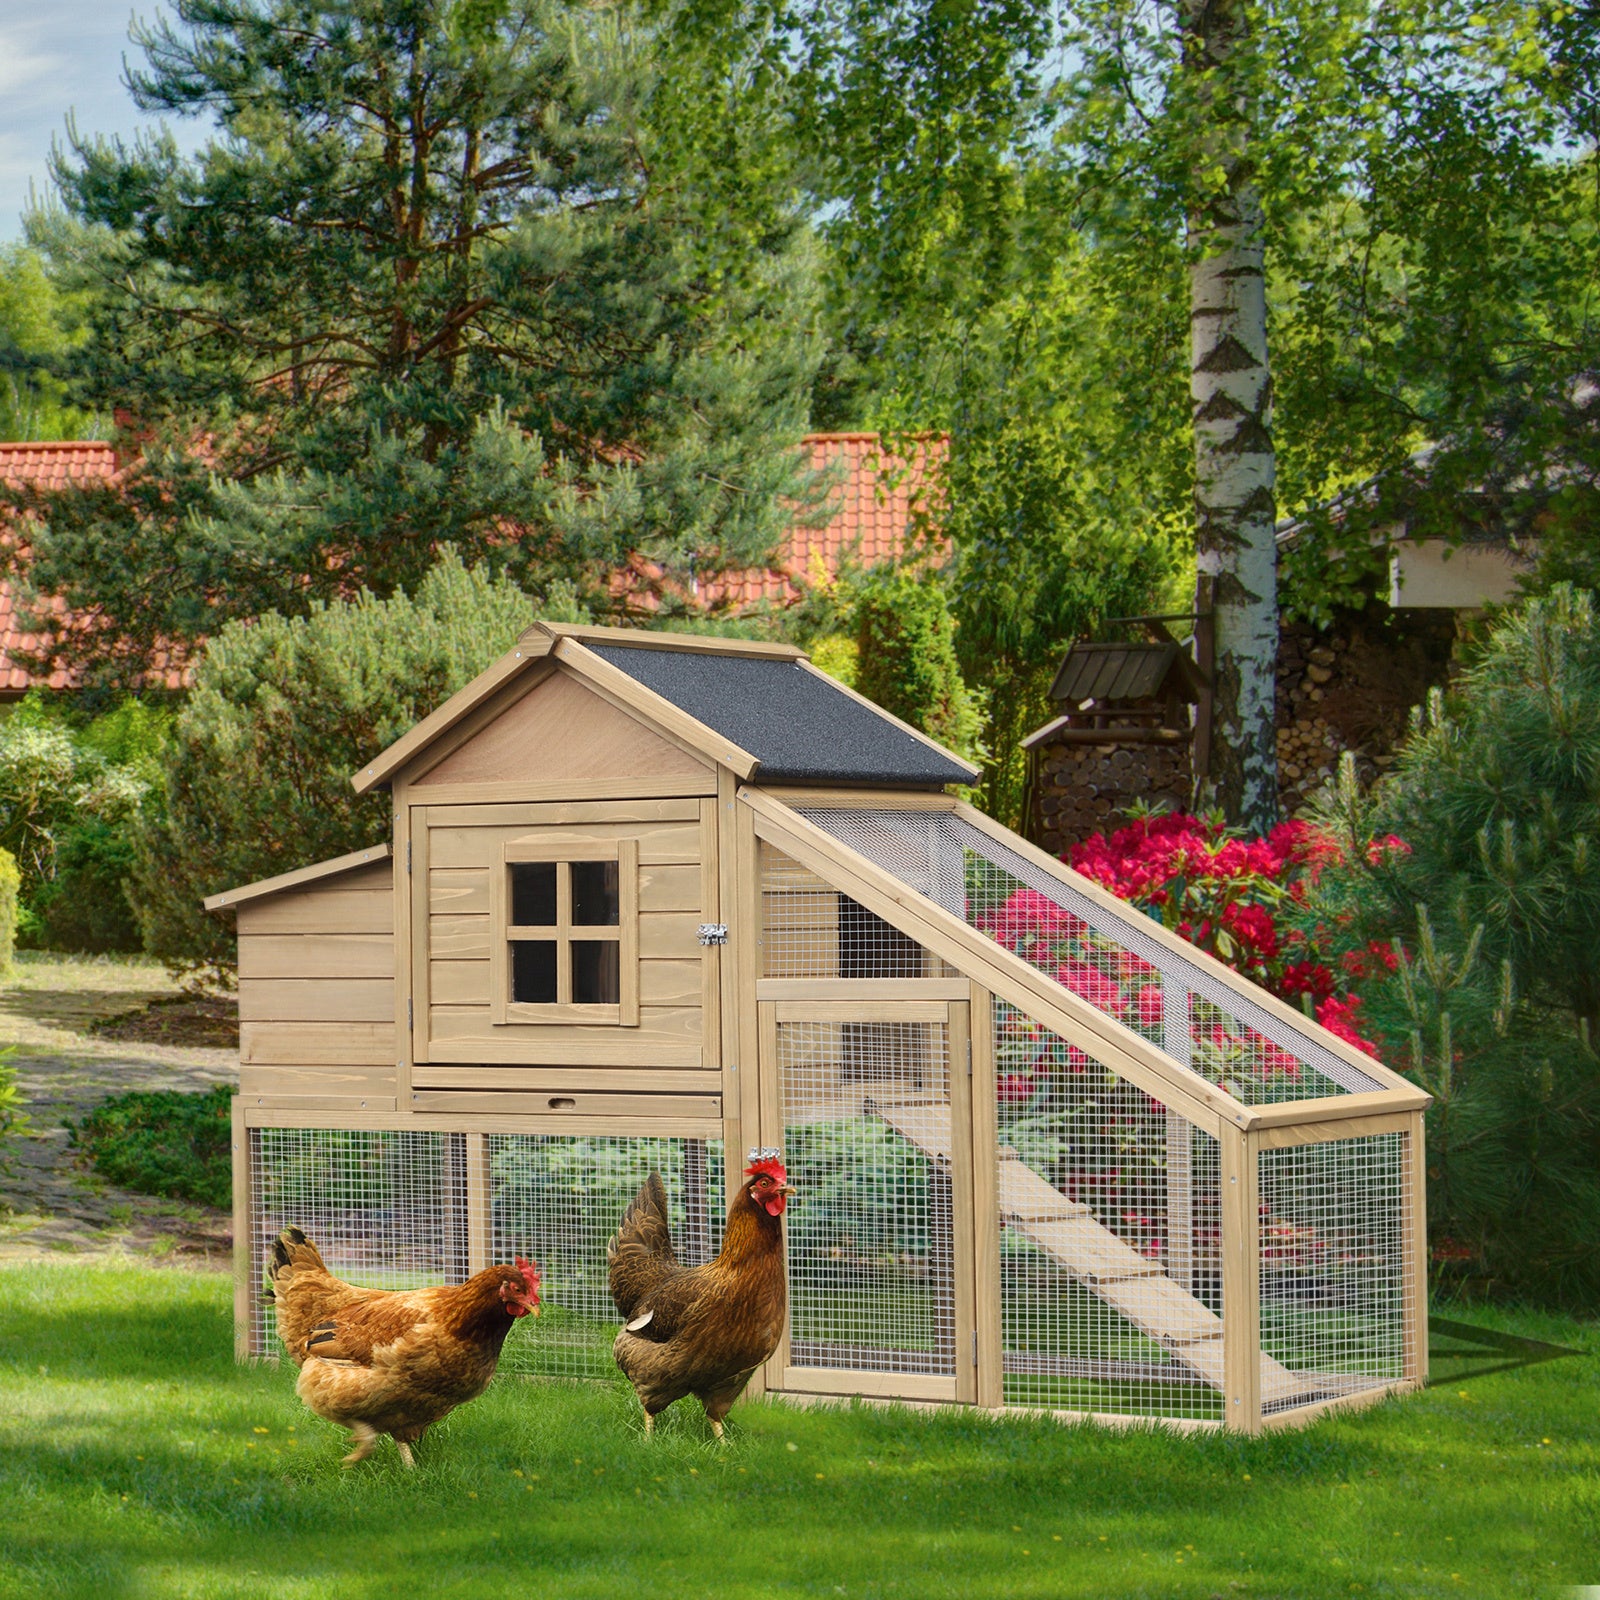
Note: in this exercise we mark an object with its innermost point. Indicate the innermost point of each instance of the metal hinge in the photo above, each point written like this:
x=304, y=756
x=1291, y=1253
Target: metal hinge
x=408, y=855
x=969, y=1074
x=408, y=1016
x=974, y=1348
x=712, y=933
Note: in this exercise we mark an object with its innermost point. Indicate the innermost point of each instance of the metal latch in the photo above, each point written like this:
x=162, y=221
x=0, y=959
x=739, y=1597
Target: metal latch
x=712, y=933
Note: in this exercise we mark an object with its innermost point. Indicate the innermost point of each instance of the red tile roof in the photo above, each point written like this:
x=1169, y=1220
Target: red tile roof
x=873, y=502
x=42, y=466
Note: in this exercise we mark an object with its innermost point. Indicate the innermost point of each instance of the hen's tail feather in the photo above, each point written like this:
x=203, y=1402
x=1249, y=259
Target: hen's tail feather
x=640, y=1251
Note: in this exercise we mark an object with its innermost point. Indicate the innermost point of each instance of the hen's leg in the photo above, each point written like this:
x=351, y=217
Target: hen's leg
x=649, y=1424
x=716, y=1428
x=365, y=1439
x=405, y=1452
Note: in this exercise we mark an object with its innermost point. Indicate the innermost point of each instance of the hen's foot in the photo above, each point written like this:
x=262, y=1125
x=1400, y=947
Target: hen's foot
x=365, y=1439
x=716, y=1429
x=405, y=1452
x=649, y=1424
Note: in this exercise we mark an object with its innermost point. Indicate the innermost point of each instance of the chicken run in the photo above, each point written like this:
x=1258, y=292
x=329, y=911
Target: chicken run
x=651, y=900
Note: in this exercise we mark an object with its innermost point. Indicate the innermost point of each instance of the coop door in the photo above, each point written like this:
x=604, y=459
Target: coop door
x=879, y=1237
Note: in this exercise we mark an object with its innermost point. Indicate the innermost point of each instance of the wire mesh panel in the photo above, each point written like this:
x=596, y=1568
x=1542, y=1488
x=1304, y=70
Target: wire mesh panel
x=810, y=930
x=1110, y=1237
x=386, y=1208
x=866, y=1112
x=1105, y=954
x=557, y=1200
x=1333, y=1265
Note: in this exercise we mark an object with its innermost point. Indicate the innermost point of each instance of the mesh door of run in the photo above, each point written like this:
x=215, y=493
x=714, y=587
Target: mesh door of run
x=866, y=1119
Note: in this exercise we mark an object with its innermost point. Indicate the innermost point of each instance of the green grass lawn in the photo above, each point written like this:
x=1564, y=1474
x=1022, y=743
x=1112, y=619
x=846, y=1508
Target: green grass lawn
x=137, y=1460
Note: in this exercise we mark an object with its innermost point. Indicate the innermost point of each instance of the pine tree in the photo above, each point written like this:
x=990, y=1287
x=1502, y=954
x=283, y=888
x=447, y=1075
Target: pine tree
x=442, y=280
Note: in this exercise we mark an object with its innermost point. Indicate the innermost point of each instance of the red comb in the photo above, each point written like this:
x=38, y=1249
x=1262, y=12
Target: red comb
x=770, y=1165
x=530, y=1275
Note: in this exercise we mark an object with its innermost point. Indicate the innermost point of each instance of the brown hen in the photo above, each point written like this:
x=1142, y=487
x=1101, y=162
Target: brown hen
x=700, y=1330
x=381, y=1361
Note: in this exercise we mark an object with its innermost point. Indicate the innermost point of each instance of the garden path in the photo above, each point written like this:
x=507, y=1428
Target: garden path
x=49, y=1205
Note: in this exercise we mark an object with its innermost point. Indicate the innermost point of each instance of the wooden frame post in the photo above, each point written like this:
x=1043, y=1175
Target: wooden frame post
x=1176, y=1041
x=986, y=1204
x=1415, y=1236
x=480, y=1218
x=1241, y=1281
x=244, y=1291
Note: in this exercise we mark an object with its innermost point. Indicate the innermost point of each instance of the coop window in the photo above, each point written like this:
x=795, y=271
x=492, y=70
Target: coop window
x=570, y=946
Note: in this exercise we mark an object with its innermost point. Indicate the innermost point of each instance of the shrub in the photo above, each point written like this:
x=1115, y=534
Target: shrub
x=10, y=905
x=69, y=798
x=282, y=712
x=906, y=659
x=163, y=1142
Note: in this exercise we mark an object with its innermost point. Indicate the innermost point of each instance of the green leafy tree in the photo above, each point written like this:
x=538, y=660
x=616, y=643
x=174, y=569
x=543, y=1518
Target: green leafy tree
x=1359, y=181
x=906, y=658
x=282, y=711
x=447, y=278
x=34, y=340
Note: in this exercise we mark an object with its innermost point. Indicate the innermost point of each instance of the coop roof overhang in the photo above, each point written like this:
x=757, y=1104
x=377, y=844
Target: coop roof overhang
x=1052, y=1005
x=227, y=899
x=749, y=706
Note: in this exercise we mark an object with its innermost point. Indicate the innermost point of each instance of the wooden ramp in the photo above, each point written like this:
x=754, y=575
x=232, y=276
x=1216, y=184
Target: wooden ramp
x=1067, y=1232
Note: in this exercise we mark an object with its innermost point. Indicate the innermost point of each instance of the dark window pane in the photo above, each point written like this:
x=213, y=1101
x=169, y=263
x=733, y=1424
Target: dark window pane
x=870, y=948
x=533, y=971
x=596, y=972
x=533, y=894
x=595, y=901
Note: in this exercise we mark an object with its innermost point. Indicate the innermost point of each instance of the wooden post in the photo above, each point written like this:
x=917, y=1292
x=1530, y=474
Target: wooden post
x=964, y=1209
x=1241, y=1282
x=986, y=1204
x=1415, y=1236
x=244, y=1236
x=480, y=1219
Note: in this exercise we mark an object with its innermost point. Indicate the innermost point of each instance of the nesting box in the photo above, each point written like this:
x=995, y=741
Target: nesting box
x=651, y=900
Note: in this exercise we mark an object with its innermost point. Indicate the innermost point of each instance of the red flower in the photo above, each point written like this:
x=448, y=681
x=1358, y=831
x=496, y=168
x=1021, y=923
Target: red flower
x=1015, y=1089
x=1103, y=993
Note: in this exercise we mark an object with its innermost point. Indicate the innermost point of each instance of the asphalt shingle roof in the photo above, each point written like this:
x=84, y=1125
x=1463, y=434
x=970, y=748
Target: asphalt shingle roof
x=797, y=724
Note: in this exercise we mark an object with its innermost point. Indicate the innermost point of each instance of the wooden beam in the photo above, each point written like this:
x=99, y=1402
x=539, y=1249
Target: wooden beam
x=1289, y=1135
x=1241, y=1282
x=244, y=1291
x=1335, y=1108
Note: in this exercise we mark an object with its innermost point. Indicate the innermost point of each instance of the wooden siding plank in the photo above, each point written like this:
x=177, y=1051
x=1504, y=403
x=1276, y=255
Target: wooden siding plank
x=326, y=955
x=336, y=1080
x=331, y=911
x=483, y=1122
x=317, y=1043
x=623, y=815
x=370, y=858
x=317, y=1000
x=661, y=983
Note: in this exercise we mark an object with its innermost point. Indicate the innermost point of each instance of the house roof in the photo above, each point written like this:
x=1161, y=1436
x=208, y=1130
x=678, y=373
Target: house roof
x=298, y=879
x=42, y=466
x=751, y=706
x=1114, y=671
x=799, y=724
x=875, y=500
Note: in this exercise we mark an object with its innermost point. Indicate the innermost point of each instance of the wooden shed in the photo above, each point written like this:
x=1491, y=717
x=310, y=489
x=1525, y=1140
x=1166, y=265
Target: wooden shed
x=651, y=900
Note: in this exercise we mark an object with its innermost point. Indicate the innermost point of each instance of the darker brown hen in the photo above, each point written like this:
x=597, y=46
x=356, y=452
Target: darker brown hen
x=700, y=1330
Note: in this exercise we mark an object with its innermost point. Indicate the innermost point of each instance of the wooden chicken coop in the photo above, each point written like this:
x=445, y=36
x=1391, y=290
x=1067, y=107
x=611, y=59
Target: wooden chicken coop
x=651, y=900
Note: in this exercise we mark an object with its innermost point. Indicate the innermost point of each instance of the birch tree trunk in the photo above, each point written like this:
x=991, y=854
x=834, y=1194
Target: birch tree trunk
x=1230, y=388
